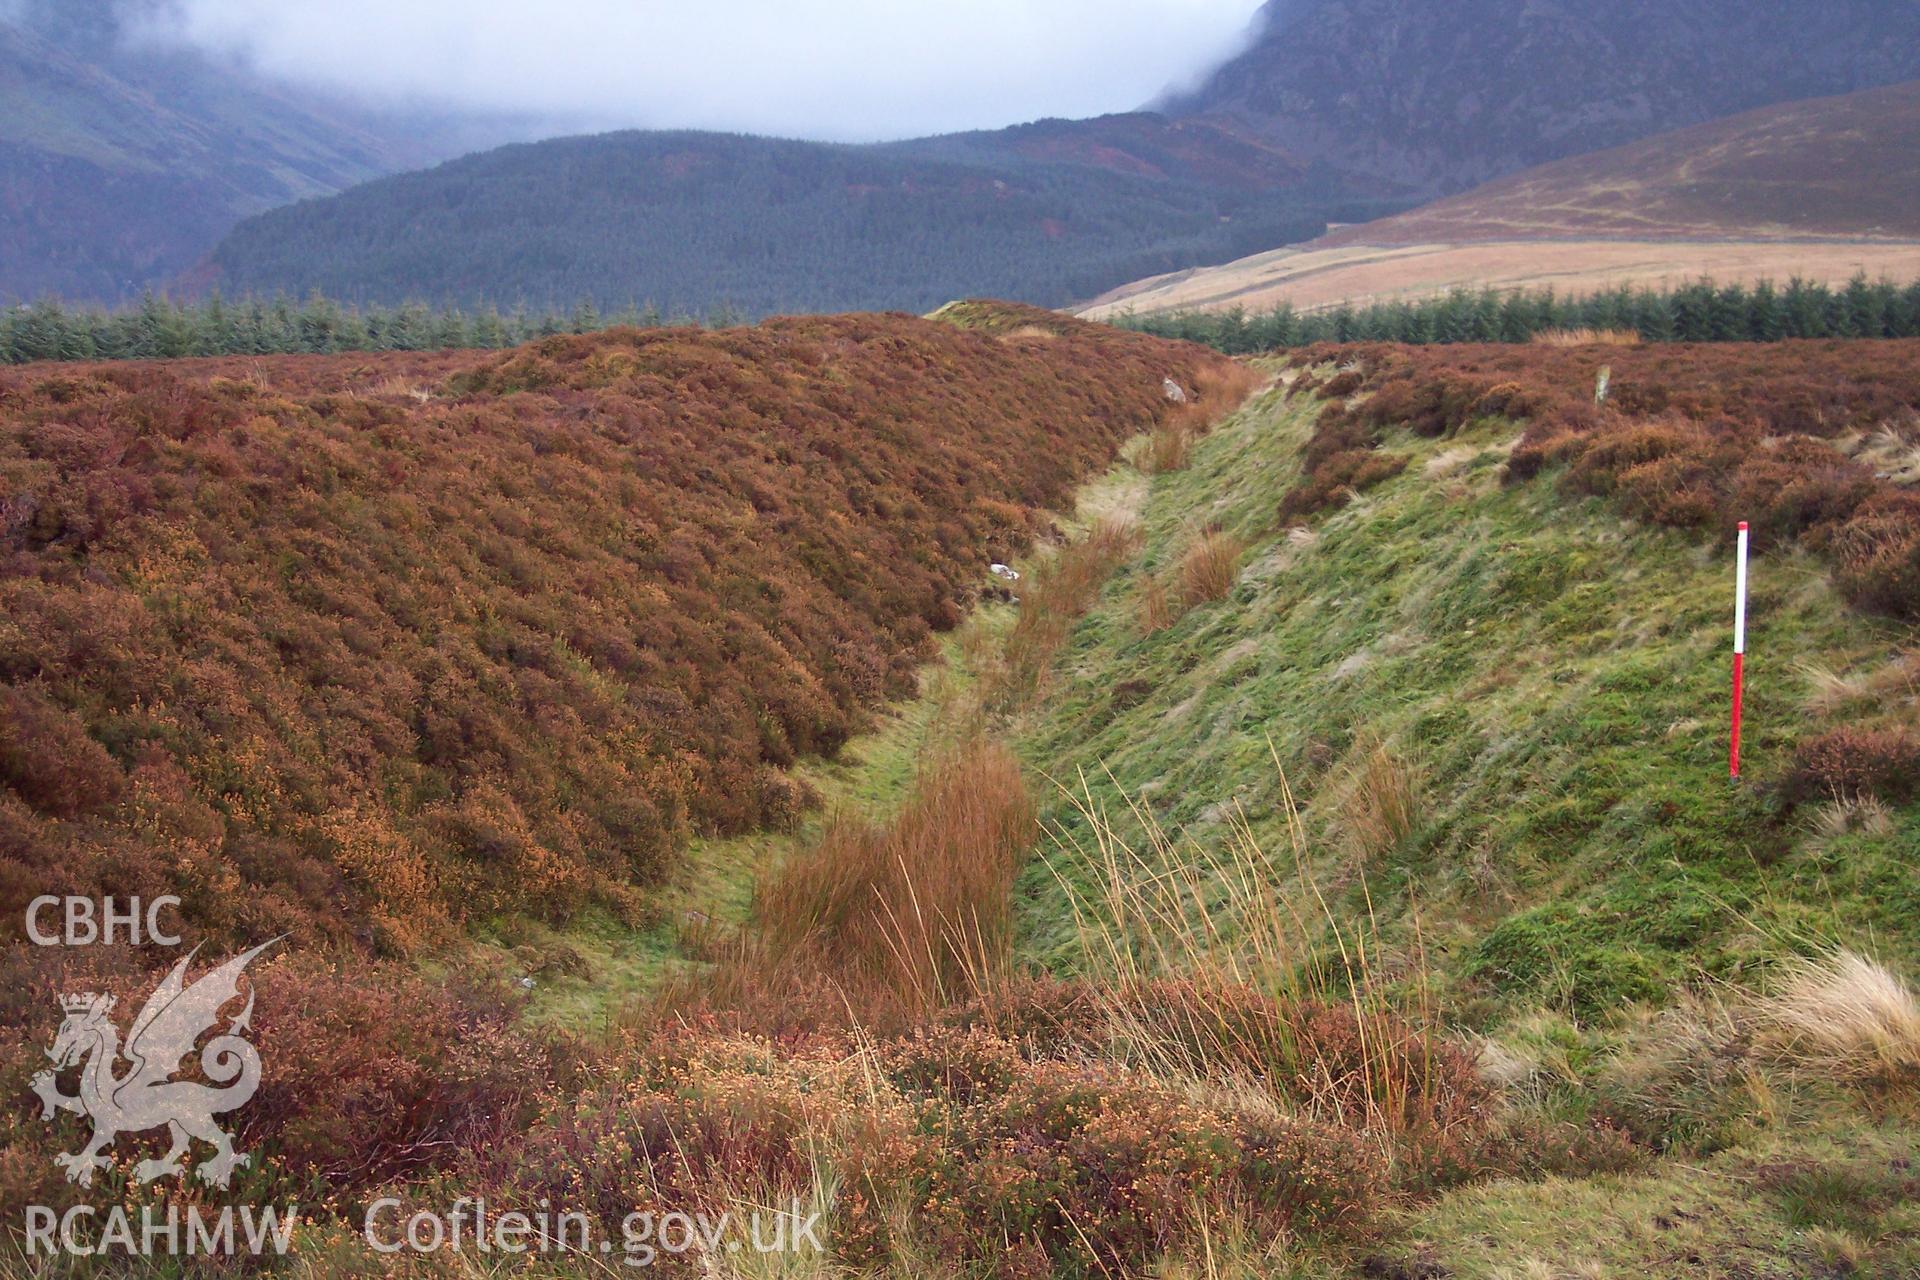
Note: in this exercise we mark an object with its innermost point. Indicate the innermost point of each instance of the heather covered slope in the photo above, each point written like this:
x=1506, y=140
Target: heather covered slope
x=1826, y=168
x=1404, y=903
x=1453, y=573
x=363, y=647
x=1415, y=683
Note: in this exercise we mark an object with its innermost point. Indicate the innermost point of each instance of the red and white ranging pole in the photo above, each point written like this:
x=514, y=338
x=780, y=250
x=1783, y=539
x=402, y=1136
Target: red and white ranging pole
x=1739, y=647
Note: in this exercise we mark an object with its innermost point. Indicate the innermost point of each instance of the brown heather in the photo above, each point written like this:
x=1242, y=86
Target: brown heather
x=1852, y=764
x=360, y=647
x=1695, y=436
x=324, y=655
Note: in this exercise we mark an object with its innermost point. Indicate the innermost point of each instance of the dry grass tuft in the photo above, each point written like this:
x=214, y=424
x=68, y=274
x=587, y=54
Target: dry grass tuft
x=399, y=388
x=1868, y=815
x=1210, y=567
x=1155, y=610
x=1892, y=455
x=1449, y=462
x=1686, y=1076
x=1586, y=338
x=1897, y=679
x=1838, y=1252
x=1846, y=1018
x=1168, y=449
x=1382, y=804
x=1828, y=690
x=1235, y=919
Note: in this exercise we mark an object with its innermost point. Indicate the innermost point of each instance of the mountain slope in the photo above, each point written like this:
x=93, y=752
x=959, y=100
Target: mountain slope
x=1440, y=95
x=1044, y=214
x=1312, y=278
x=121, y=165
x=1823, y=189
x=1831, y=168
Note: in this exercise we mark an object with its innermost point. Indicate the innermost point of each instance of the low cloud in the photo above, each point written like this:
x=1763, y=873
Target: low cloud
x=840, y=69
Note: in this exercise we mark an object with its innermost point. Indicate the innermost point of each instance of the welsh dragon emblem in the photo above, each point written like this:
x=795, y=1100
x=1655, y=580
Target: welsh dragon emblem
x=147, y=1096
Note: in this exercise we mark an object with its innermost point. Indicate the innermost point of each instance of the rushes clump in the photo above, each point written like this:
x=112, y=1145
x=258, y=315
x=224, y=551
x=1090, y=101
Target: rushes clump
x=1167, y=449
x=1062, y=591
x=1382, y=805
x=896, y=918
x=1210, y=567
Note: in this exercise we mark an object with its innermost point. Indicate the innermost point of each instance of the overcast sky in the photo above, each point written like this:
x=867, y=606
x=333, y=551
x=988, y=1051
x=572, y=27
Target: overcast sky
x=844, y=69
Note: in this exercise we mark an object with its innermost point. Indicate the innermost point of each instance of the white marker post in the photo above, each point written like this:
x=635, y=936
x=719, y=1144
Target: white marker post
x=1739, y=648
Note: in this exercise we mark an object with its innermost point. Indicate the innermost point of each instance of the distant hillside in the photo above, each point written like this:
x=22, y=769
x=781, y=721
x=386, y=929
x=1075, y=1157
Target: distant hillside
x=1823, y=189
x=1844, y=167
x=122, y=166
x=1339, y=110
x=1440, y=95
x=389, y=641
x=1208, y=153
x=1046, y=214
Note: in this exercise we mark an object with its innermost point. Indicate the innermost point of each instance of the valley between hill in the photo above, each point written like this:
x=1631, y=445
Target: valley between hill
x=1458, y=745
x=1325, y=869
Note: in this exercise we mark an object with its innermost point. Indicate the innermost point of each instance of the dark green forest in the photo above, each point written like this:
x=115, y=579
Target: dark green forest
x=1698, y=312
x=160, y=328
x=689, y=221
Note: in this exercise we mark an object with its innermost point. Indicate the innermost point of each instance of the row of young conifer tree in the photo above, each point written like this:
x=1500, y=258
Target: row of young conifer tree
x=159, y=328
x=1698, y=312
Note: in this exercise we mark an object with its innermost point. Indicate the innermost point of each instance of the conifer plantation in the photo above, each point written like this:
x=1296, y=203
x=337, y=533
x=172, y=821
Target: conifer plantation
x=163, y=328
x=1699, y=312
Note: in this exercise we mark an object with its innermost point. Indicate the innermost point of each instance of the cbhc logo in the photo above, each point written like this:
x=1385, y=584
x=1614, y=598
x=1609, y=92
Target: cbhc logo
x=83, y=922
